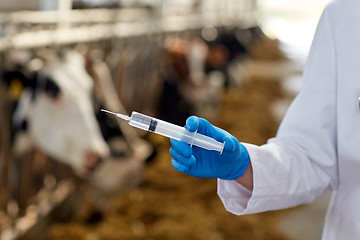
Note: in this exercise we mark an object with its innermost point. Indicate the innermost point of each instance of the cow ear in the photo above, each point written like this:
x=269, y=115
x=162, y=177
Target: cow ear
x=15, y=89
x=14, y=81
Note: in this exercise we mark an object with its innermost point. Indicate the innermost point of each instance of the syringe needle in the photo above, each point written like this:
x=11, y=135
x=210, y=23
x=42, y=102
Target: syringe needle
x=126, y=118
x=103, y=110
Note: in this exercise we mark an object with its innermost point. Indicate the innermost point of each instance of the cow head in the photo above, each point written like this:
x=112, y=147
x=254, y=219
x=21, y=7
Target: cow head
x=57, y=106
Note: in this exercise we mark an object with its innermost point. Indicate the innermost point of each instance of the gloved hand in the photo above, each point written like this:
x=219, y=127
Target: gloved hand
x=198, y=162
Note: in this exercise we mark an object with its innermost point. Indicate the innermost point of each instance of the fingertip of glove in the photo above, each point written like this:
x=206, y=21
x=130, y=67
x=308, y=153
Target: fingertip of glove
x=192, y=123
x=181, y=148
x=230, y=144
x=179, y=166
x=173, y=141
x=172, y=152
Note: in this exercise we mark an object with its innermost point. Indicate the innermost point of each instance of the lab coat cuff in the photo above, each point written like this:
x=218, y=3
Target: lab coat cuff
x=259, y=198
x=236, y=198
x=233, y=195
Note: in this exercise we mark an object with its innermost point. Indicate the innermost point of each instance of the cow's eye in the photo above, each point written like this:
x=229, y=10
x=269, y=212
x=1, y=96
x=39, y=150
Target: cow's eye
x=52, y=89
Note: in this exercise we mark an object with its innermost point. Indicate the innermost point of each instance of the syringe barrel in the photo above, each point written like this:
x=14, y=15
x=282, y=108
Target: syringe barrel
x=142, y=121
x=173, y=131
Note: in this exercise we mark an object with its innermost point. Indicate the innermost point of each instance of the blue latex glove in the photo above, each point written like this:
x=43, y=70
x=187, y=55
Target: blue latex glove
x=199, y=162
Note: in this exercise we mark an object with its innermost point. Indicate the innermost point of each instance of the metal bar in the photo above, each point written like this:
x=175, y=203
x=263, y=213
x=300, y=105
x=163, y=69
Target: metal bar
x=75, y=16
x=102, y=31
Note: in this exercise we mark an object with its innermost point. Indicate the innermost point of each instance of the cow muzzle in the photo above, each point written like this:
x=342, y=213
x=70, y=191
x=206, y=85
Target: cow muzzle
x=91, y=161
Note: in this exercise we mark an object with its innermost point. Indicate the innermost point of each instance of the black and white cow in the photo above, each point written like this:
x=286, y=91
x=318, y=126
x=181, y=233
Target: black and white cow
x=55, y=107
x=53, y=111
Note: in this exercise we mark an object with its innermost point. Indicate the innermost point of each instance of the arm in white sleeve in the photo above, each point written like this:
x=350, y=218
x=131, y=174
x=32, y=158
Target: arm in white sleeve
x=300, y=163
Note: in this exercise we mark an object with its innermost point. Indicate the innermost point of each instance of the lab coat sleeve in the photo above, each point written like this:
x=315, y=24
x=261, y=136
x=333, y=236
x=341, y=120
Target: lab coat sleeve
x=300, y=163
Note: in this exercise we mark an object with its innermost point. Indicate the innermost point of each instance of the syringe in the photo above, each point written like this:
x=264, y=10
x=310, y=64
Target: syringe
x=170, y=130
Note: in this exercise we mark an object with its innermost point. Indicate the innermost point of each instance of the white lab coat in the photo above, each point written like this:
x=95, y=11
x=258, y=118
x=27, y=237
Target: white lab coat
x=317, y=147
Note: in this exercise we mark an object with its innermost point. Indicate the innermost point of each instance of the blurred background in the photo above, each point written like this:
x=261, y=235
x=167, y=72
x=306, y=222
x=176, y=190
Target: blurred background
x=69, y=171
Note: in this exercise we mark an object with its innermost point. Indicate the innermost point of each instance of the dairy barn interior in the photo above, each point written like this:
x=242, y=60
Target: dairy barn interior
x=70, y=171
